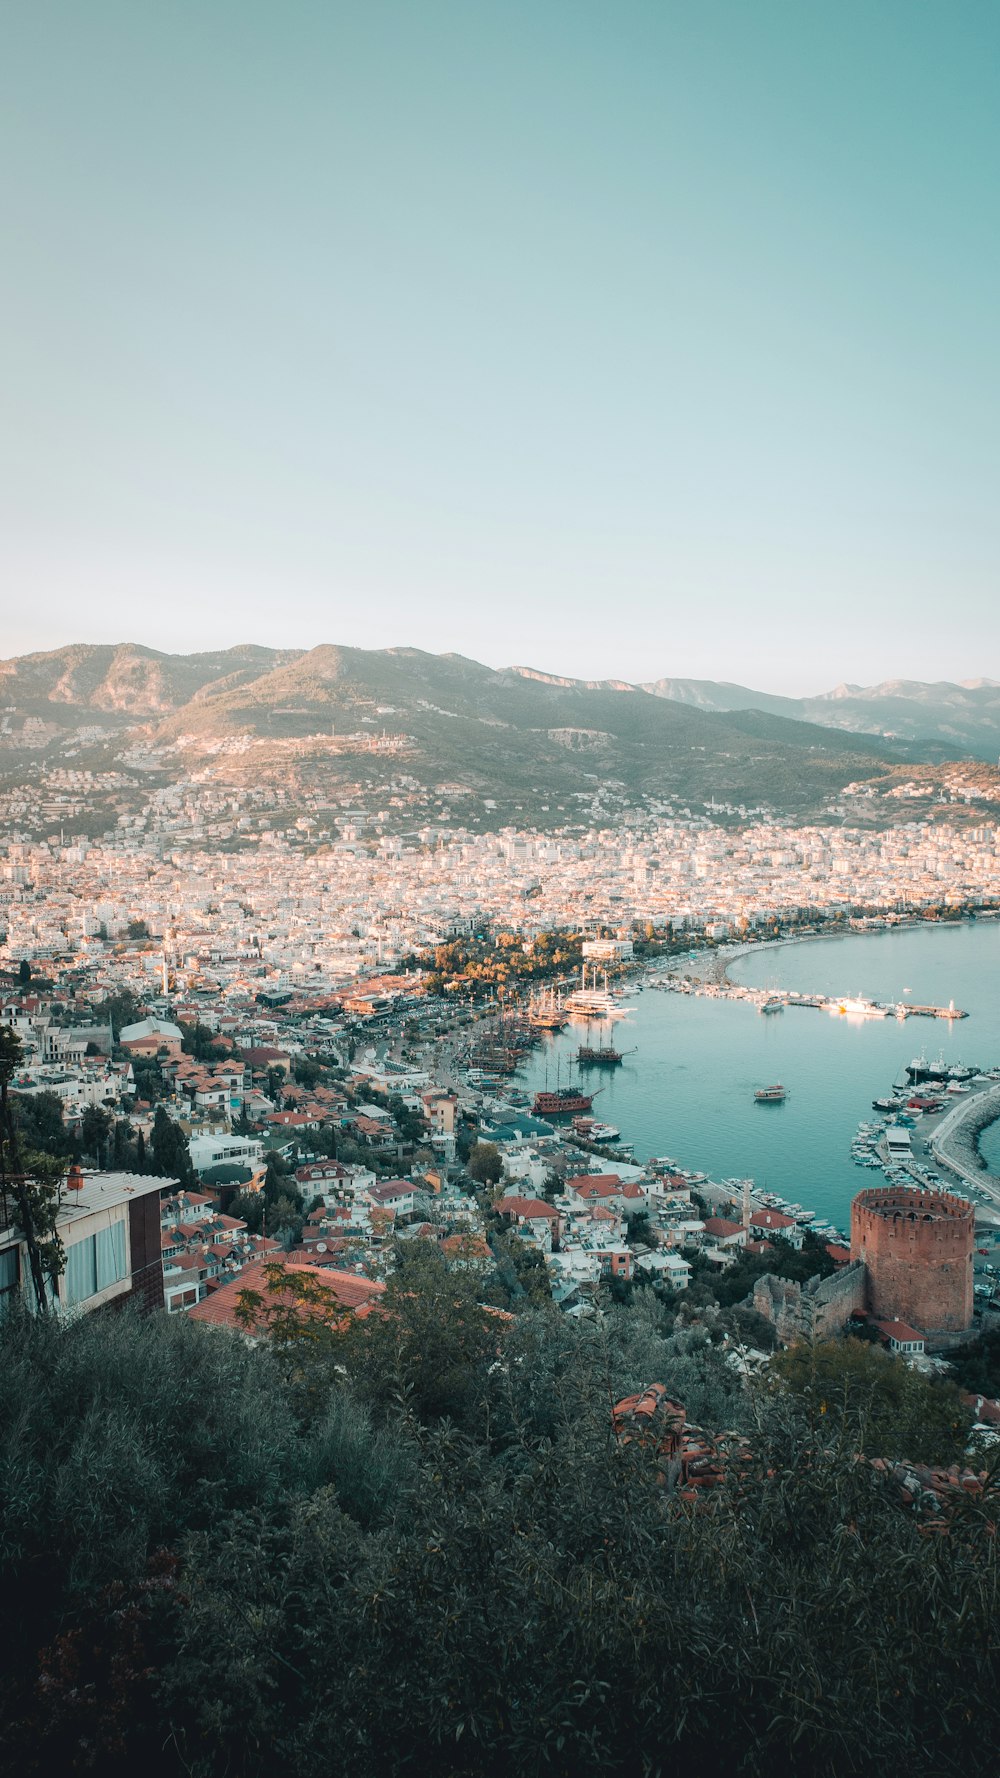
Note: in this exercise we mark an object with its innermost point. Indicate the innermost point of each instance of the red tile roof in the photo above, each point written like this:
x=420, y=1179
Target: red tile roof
x=721, y=1227
x=350, y=1290
x=899, y=1330
x=771, y=1219
x=533, y=1209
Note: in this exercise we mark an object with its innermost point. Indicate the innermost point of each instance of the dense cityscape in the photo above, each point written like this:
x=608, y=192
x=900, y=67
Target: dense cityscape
x=500, y=891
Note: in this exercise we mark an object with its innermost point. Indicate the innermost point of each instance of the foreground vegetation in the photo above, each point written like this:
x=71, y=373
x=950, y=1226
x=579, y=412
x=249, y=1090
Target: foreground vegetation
x=415, y=1544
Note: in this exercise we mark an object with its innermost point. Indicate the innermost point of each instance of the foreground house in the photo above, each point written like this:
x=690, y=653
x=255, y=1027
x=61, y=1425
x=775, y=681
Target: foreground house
x=109, y=1225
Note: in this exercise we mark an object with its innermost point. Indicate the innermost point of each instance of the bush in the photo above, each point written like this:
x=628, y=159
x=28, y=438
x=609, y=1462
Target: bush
x=439, y=1552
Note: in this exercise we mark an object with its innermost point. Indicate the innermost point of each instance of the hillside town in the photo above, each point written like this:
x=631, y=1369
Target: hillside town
x=267, y=1048
x=321, y=908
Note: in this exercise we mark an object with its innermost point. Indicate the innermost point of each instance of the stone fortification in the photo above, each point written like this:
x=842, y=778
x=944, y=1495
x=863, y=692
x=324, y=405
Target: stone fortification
x=816, y=1310
x=916, y=1248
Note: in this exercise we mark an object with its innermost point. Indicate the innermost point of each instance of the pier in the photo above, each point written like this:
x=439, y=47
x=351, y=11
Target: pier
x=929, y=1012
x=775, y=1000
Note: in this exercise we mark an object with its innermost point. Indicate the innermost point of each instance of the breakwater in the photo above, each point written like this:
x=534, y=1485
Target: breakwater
x=955, y=1143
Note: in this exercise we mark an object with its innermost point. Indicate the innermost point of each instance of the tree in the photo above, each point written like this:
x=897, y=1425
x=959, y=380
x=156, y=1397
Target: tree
x=169, y=1154
x=307, y=1071
x=120, y=1009
x=295, y=1309
x=409, y=1124
x=198, y=1041
x=40, y=1126
x=484, y=1164
x=249, y=1207
x=138, y=929
x=95, y=1129
x=211, y=1544
x=284, y=1218
x=148, y=1077
x=24, y=972
x=34, y=1182
x=885, y=1407
x=522, y=1270
x=431, y=1342
x=977, y=1365
x=640, y=1230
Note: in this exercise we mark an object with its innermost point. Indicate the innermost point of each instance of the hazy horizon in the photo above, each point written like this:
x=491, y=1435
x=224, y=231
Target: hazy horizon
x=658, y=341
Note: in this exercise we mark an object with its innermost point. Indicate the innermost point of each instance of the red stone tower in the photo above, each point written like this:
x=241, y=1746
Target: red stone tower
x=917, y=1249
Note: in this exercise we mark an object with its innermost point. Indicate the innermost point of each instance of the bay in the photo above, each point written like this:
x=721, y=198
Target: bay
x=687, y=1091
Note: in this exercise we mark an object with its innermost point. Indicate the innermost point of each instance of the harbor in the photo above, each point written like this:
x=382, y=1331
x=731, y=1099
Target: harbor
x=703, y=1048
x=706, y=1073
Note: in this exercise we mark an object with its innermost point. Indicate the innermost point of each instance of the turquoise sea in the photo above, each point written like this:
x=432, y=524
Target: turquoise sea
x=688, y=1089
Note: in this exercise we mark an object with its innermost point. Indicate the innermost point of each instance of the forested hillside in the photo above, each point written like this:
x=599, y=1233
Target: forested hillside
x=417, y=1543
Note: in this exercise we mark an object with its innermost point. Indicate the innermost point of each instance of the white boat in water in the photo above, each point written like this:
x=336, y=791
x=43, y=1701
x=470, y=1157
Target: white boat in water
x=860, y=1007
x=593, y=1002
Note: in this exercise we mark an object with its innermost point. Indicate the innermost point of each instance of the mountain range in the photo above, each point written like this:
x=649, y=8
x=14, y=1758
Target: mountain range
x=514, y=736
x=965, y=716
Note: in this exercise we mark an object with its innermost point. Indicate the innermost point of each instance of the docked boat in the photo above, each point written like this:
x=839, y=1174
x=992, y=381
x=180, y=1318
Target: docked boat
x=546, y=1012
x=861, y=1007
x=562, y=1102
x=772, y=1005
x=770, y=1095
x=590, y=1129
x=592, y=1002
x=920, y=1070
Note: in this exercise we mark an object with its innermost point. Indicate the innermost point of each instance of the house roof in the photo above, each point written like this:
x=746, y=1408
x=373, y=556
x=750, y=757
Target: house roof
x=350, y=1290
x=721, y=1226
x=534, y=1209
x=591, y=1186
x=771, y=1219
x=900, y=1330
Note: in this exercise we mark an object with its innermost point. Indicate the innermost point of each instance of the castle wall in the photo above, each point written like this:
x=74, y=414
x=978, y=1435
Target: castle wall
x=818, y=1309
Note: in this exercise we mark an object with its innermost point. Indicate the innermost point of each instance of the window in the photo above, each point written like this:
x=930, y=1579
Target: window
x=95, y=1262
x=10, y=1277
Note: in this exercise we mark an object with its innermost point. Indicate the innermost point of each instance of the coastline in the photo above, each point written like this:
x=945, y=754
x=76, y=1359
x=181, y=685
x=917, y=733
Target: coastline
x=809, y=938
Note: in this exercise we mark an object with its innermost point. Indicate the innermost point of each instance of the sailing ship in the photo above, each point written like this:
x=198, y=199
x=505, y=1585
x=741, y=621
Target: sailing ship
x=599, y=1055
x=562, y=1100
x=545, y=1011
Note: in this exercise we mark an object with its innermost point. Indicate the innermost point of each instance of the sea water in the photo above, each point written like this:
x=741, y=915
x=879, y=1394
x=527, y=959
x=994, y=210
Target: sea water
x=687, y=1091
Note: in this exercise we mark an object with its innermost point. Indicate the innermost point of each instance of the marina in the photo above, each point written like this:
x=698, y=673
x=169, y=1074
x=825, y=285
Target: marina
x=703, y=1051
x=850, y=1006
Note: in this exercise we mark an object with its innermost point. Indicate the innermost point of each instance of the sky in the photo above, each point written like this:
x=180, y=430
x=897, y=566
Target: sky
x=655, y=338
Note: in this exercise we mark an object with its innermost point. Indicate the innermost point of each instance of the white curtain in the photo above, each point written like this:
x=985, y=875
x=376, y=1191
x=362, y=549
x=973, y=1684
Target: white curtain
x=95, y=1262
x=110, y=1255
x=81, y=1270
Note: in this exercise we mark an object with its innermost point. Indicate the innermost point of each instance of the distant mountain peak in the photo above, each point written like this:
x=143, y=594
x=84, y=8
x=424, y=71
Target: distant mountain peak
x=574, y=684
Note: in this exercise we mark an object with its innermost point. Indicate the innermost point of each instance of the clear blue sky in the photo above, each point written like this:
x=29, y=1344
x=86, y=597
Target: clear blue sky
x=633, y=339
